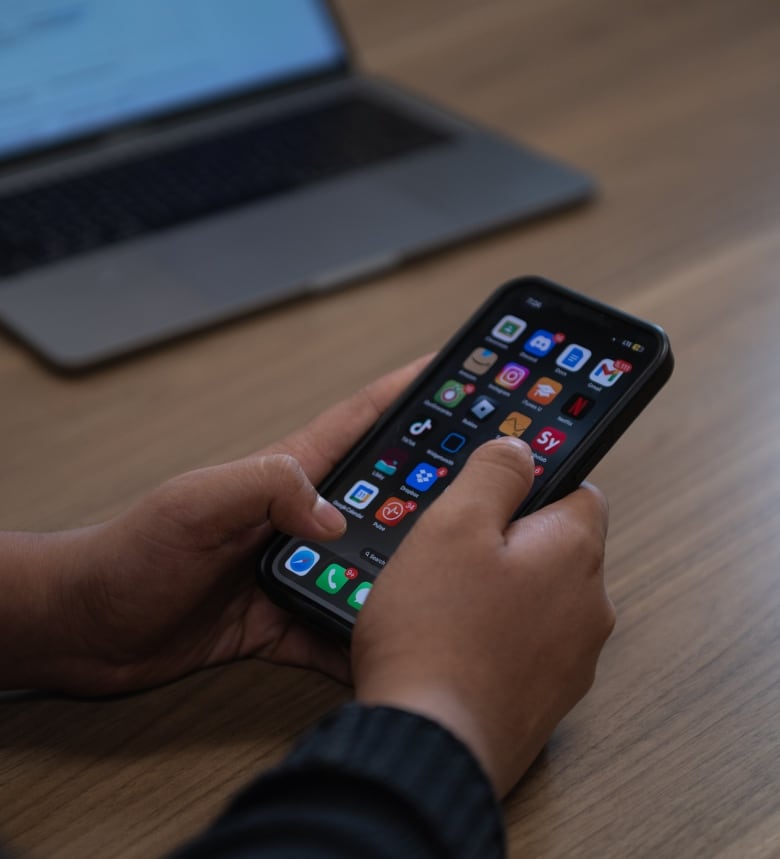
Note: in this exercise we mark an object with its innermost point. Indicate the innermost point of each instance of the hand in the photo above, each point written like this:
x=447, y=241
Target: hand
x=490, y=627
x=168, y=587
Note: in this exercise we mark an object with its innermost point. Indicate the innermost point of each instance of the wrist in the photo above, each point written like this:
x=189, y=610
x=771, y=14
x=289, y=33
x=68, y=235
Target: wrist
x=441, y=704
x=39, y=636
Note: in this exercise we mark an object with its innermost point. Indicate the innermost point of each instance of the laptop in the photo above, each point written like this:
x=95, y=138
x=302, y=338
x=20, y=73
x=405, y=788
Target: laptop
x=168, y=166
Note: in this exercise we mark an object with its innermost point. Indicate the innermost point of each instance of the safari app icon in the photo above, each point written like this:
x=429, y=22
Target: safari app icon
x=302, y=561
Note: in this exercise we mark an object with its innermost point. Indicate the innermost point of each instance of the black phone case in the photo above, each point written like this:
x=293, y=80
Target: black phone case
x=566, y=480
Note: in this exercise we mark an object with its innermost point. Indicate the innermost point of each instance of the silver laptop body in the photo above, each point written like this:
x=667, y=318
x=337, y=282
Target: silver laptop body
x=90, y=307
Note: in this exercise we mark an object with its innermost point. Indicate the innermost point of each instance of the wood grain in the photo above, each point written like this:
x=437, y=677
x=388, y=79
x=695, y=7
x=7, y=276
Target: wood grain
x=676, y=752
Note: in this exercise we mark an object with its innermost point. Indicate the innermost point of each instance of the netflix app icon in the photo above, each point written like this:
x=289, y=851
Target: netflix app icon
x=577, y=407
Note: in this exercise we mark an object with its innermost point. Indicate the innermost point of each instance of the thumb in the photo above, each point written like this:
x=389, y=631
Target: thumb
x=493, y=483
x=219, y=502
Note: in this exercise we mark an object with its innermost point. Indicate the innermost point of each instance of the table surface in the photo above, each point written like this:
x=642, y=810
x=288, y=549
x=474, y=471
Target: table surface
x=676, y=751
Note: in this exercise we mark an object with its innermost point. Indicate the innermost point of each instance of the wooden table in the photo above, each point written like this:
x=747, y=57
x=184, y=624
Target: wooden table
x=675, y=107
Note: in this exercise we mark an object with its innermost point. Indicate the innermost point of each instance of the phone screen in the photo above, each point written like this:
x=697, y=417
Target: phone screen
x=537, y=362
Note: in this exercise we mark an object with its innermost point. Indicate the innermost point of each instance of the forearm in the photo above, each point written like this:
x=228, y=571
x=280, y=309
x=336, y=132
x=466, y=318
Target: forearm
x=375, y=782
x=36, y=644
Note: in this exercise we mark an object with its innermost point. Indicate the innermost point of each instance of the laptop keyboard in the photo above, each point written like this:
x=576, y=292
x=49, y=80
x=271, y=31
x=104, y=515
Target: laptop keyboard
x=78, y=214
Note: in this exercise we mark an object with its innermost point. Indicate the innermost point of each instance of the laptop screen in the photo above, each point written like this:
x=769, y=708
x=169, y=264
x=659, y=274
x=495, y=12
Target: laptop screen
x=74, y=67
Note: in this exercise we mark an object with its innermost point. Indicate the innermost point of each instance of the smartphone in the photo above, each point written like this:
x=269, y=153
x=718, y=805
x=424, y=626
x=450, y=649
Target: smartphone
x=537, y=361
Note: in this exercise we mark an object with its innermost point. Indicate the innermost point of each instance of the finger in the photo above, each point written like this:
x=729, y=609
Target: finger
x=322, y=443
x=220, y=502
x=495, y=480
x=584, y=509
x=303, y=647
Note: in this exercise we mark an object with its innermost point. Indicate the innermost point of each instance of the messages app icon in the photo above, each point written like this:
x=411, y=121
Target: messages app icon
x=357, y=599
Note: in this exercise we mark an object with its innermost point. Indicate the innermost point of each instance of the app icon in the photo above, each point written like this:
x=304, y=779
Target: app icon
x=423, y=476
x=391, y=460
x=514, y=424
x=483, y=408
x=540, y=343
x=509, y=329
x=359, y=596
x=333, y=578
x=453, y=442
x=480, y=361
x=606, y=373
x=421, y=426
x=577, y=406
x=302, y=561
x=451, y=393
x=392, y=511
x=548, y=440
x=361, y=494
x=545, y=391
x=573, y=357
x=512, y=376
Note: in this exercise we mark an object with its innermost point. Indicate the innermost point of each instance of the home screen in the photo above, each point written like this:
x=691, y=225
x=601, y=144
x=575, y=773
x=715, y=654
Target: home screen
x=537, y=365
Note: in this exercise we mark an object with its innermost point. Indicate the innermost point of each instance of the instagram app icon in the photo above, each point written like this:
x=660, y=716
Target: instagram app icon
x=512, y=376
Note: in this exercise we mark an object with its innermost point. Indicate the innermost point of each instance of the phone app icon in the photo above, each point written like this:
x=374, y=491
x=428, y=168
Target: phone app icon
x=544, y=391
x=421, y=426
x=390, y=461
x=540, y=343
x=453, y=442
x=451, y=393
x=512, y=376
x=577, y=407
x=573, y=357
x=514, y=424
x=480, y=361
x=548, y=440
x=361, y=494
x=392, y=511
x=333, y=578
x=509, y=329
x=302, y=561
x=483, y=408
x=423, y=476
x=357, y=599
x=606, y=372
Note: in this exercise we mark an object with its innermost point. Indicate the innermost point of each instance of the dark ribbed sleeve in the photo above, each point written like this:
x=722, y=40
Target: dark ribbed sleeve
x=369, y=783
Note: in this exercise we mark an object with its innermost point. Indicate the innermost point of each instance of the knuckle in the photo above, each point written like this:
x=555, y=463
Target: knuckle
x=588, y=542
x=610, y=618
x=369, y=396
x=278, y=470
x=175, y=492
x=171, y=504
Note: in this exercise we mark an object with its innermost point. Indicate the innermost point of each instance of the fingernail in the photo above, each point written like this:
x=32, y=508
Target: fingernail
x=328, y=517
x=518, y=442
